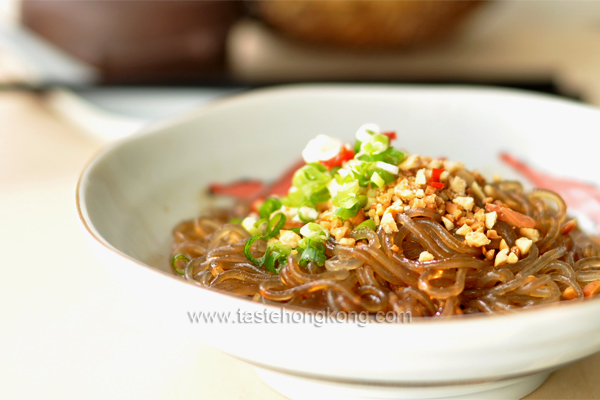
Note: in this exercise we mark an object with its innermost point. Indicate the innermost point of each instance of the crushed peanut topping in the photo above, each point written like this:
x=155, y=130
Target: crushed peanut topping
x=426, y=256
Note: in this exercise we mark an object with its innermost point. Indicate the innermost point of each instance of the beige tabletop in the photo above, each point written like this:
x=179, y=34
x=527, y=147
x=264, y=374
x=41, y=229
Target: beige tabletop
x=69, y=330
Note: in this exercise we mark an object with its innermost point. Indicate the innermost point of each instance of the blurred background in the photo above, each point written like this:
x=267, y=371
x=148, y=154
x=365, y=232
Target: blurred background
x=149, y=59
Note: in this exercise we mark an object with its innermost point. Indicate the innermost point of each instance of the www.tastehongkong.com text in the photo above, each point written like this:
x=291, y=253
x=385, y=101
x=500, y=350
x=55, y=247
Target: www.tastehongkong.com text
x=316, y=318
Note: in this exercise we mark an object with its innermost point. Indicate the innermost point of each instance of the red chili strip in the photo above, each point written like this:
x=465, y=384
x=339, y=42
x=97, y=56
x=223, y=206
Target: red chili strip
x=511, y=217
x=436, y=173
x=344, y=154
x=391, y=134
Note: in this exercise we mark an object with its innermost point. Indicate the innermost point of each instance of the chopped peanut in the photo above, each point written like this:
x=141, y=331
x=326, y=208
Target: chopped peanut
x=512, y=258
x=430, y=190
x=289, y=238
x=464, y=230
x=489, y=255
x=458, y=185
x=326, y=224
x=452, y=208
x=347, y=242
x=477, y=225
x=413, y=161
x=421, y=179
x=530, y=233
x=388, y=223
x=358, y=218
x=503, y=244
x=340, y=232
x=426, y=256
x=501, y=258
x=516, y=251
x=418, y=203
x=492, y=234
x=444, y=176
x=490, y=219
x=476, y=239
x=464, y=221
x=447, y=223
x=452, y=166
x=465, y=202
x=524, y=244
x=479, y=214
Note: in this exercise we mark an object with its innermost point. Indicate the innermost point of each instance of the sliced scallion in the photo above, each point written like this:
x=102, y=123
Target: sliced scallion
x=369, y=223
x=274, y=225
x=177, y=257
x=314, y=232
x=270, y=205
x=248, y=251
x=377, y=180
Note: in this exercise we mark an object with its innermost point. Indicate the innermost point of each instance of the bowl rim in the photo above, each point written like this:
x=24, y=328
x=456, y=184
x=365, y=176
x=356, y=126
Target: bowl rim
x=157, y=127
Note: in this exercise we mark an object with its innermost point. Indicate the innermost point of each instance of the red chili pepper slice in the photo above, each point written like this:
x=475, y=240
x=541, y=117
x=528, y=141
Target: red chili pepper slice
x=390, y=134
x=437, y=185
x=344, y=154
x=436, y=173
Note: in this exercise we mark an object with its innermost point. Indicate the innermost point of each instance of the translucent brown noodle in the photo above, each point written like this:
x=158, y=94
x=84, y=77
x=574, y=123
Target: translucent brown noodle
x=381, y=277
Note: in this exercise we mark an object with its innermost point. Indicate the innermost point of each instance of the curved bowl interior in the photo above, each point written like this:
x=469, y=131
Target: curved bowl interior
x=133, y=194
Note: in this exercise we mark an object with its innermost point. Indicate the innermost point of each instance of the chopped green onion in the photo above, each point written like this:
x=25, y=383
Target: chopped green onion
x=177, y=257
x=314, y=232
x=345, y=213
x=393, y=156
x=366, y=131
x=295, y=230
x=377, y=144
x=277, y=252
x=247, y=251
x=335, y=170
x=387, y=177
x=235, y=221
x=294, y=198
x=274, y=225
x=320, y=196
x=357, y=146
x=311, y=178
x=344, y=200
x=270, y=205
x=249, y=224
x=369, y=223
x=314, y=252
x=378, y=180
x=307, y=212
x=392, y=169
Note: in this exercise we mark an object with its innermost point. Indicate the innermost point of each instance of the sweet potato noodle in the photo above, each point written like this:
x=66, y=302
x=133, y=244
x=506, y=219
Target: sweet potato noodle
x=373, y=275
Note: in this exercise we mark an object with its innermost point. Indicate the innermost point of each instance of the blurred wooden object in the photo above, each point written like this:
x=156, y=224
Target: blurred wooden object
x=138, y=41
x=503, y=42
x=365, y=25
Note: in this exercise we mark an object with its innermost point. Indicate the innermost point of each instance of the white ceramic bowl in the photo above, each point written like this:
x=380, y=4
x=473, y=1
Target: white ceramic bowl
x=131, y=196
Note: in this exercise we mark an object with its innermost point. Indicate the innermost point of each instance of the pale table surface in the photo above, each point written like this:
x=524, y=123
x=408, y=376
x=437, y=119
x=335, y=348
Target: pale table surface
x=69, y=330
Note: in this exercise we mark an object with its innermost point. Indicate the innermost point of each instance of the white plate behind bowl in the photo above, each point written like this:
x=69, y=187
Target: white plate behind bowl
x=132, y=195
